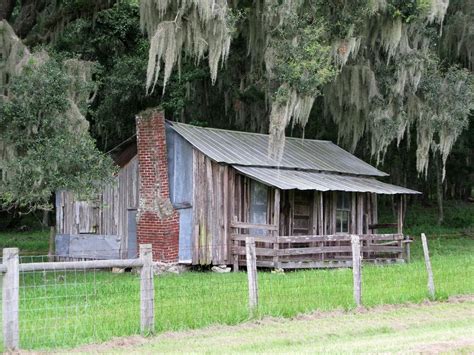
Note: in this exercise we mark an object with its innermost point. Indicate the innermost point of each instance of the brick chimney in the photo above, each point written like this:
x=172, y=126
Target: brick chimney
x=157, y=220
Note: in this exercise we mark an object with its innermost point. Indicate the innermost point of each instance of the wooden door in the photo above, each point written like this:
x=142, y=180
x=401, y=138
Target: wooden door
x=301, y=212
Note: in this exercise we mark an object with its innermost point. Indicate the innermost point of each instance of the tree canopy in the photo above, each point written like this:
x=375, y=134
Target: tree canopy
x=384, y=78
x=44, y=140
x=368, y=59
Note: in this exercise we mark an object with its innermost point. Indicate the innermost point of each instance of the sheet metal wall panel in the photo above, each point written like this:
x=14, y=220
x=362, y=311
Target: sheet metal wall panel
x=180, y=168
x=90, y=246
x=180, y=175
x=185, y=235
x=132, y=247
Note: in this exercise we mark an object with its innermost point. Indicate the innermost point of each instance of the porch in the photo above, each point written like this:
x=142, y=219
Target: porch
x=296, y=229
x=320, y=251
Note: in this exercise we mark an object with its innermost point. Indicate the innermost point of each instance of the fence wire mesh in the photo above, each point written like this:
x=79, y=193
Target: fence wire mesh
x=64, y=309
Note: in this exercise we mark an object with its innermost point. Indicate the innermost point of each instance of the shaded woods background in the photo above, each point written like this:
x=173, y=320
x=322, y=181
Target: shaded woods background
x=108, y=33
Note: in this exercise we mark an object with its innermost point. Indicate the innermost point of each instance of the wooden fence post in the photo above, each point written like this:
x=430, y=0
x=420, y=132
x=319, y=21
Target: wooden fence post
x=356, y=269
x=10, y=297
x=431, y=286
x=147, y=291
x=252, y=273
x=407, y=243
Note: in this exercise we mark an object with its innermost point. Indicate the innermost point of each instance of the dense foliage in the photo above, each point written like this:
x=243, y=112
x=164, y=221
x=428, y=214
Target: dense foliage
x=388, y=79
x=50, y=145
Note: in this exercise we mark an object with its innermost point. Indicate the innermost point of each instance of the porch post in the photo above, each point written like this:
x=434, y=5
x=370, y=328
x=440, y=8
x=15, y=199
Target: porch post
x=276, y=222
x=400, y=214
x=400, y=222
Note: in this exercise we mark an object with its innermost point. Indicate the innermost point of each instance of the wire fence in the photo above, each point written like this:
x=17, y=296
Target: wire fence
x=70, y=307
x=63, y=307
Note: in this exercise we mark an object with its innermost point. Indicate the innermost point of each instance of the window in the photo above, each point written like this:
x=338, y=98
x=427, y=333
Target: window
x=343, y=211
x=258, y=205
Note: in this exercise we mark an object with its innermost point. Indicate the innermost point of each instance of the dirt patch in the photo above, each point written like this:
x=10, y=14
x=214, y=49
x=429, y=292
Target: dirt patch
x=460, y=345
x=377, y=309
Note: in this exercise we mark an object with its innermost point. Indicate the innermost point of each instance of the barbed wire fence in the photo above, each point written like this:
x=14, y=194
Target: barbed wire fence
x=64, y=304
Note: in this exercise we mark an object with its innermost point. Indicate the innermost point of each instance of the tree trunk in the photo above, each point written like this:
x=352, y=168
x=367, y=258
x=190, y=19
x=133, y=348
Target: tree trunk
x=6, y=9
x=27, y=17
x=439, y=189
x=45, y=221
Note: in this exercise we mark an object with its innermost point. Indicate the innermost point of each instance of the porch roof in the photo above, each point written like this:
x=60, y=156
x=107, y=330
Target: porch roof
x=289, y=179
x=251, y=149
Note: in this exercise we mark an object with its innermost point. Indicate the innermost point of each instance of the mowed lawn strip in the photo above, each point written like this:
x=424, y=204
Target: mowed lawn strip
x=61, y=310
x=432, y=327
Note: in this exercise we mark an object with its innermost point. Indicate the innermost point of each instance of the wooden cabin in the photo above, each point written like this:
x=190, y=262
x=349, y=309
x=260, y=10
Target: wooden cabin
x=202, y=191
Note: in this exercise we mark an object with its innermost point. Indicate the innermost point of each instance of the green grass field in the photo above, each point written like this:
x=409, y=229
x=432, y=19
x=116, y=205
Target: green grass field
x=428, y=328
x=62, y=310
x=29, y=242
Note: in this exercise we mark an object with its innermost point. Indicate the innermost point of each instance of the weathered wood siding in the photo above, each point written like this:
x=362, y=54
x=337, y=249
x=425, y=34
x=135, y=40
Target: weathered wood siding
x=310, y=212
x=211, y=218
x=105, y=215
x=221, y=194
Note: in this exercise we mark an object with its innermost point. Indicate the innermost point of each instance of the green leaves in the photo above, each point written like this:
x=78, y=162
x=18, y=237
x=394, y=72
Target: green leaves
x=52, y=148
x=302, y=57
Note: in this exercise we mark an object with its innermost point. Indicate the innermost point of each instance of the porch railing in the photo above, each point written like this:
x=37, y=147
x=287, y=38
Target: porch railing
x=319, y=251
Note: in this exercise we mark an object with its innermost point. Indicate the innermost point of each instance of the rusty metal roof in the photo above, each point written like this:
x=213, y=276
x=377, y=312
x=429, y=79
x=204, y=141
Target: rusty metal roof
x=251, y=149
x=288, y=179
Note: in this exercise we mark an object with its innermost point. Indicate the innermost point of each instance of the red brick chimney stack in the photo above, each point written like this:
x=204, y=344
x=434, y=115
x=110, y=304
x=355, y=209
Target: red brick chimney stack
x=157, y=220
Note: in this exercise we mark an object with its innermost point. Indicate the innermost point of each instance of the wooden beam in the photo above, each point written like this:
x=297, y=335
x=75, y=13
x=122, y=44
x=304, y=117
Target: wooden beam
x=244, y=225
x=317, y=238
x=353, y=228
x=360, y=213
x=320, y=213
x=314, y=213
x=276, y=222
x=226, y=202
x=291, y=215
x=332, y=228
x=326, y=209
x=375, y=217
x=400, y=214
x=196, y=207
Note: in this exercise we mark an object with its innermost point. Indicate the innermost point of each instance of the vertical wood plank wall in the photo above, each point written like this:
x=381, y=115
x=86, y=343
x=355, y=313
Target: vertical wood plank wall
x=211, y=215
x=105, y=215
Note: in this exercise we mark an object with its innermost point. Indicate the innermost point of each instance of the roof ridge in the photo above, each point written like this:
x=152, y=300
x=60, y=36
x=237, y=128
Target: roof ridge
x=251, y=149
x=245, y=132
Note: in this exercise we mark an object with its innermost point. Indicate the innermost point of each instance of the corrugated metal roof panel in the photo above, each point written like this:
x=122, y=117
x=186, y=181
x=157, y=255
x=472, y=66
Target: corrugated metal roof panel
x=287, y=179
x=251, y=149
